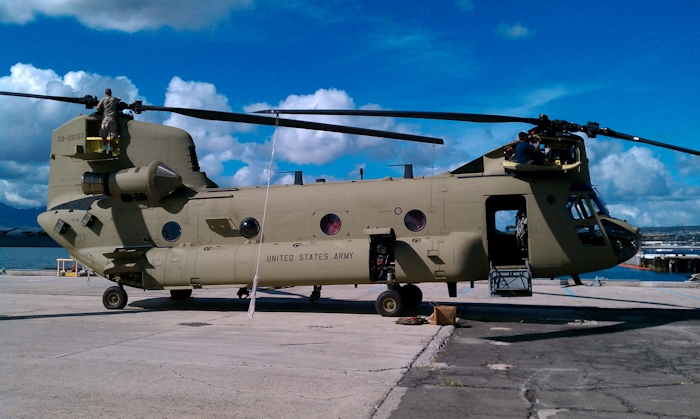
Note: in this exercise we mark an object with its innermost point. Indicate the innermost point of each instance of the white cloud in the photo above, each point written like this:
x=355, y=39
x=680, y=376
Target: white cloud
x=219, y=143
x=639, y=187
x=635, y=172
x=126, y=15
x=300, y=146
x=515, y=31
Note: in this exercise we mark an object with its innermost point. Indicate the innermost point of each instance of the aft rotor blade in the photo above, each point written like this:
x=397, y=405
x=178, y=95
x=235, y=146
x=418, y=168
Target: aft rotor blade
x=614, y=134
x=448, y=116
x=291, y=123
x=88, y=100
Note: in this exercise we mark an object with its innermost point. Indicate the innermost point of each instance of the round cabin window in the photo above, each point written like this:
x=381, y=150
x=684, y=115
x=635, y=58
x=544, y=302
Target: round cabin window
x=171, y=231
x=249, y=228
x=414, y=220
x=330, y=224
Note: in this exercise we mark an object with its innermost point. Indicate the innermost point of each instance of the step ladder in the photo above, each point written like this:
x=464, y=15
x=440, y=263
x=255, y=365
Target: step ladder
x=510, y=281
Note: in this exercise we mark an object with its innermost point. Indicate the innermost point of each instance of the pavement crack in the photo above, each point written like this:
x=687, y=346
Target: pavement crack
x=111, y=344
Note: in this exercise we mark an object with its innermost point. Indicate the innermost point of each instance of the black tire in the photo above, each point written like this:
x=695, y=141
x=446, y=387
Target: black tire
x=180, y=294
x=412, y=295
x=114, y=298
x=315, y=297
x=389, y=304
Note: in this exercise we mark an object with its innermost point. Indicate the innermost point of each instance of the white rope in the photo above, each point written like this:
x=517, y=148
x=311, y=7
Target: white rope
x=251, y=307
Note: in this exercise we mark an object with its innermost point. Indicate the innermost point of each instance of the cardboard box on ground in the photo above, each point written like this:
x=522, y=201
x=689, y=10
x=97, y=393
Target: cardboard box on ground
x=443, y=315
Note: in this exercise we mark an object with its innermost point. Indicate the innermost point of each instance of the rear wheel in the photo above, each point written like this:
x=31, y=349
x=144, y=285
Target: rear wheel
x=389, y=304
x=180, y=294
x=412, y=295
x=114, y=298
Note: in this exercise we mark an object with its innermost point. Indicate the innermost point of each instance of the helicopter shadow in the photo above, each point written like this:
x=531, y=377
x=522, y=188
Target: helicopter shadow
x=576, y=321
x=271, y=305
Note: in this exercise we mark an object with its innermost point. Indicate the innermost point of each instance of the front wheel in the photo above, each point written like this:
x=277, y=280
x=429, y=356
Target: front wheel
x=114, y=298
x=389, y=304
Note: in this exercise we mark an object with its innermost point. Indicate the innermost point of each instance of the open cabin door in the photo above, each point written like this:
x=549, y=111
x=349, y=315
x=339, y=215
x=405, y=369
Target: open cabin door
x=382, y=254
x=508, y=245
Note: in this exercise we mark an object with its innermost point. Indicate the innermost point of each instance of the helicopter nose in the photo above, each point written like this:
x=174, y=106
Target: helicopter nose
x=624, y=237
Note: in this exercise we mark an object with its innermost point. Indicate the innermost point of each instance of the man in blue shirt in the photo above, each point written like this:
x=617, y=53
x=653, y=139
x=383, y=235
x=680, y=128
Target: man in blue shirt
x=526, y=153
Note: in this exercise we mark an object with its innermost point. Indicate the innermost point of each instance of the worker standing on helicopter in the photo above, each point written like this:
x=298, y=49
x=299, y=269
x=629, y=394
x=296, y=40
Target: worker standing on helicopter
x=108, y=106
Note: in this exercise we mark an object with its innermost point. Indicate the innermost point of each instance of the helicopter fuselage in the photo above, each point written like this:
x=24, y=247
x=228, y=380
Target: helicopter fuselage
x=445, y=228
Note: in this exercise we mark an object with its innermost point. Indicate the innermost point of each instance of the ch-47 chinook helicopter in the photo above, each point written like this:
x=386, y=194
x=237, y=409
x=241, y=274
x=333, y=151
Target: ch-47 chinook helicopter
x=147, y=217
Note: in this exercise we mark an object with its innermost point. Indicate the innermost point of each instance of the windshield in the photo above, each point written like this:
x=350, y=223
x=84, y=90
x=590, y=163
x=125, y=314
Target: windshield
x=596, y=200
x=598, y=205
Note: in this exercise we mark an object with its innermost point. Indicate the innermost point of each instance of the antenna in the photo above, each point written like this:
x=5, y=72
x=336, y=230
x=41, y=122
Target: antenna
x=407, y=170
x=298, y=178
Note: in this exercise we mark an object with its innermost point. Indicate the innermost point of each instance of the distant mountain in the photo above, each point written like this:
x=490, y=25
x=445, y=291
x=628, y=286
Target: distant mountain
x=19, y=218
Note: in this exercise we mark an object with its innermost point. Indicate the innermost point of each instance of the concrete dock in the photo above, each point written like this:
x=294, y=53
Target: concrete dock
x=583, y=351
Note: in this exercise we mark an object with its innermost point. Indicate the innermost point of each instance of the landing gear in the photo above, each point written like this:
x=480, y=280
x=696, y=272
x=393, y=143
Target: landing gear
x=389, y=304
x=412, y=295
x=315, y=294
x=577, y=279
x=114, y=298
x=180, y=294
x=243, y=293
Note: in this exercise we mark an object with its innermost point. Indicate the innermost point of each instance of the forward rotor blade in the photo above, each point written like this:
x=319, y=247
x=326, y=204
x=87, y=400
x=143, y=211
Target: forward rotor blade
x=88, y=100
x=448, y=116
x=291, y=123
x=543, y=122
x=614, y=134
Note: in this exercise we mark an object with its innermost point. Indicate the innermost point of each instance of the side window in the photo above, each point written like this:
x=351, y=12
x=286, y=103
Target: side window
x=590, y=235
x=249, y=228
x=330, y=224
x=415, y=220
x=598, y=205
x=171, y=231
x=588, y=231
x=578, y=208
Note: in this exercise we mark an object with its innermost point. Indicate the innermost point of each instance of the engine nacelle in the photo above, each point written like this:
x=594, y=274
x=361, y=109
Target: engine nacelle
x=154, y=181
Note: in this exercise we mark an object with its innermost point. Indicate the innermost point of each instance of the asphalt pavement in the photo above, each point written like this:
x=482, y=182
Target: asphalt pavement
x=607, y=351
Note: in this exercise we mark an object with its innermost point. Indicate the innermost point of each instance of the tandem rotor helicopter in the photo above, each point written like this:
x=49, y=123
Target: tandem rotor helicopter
x=148, y=218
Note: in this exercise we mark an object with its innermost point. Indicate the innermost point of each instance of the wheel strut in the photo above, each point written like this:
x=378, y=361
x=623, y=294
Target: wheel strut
x=315, y=294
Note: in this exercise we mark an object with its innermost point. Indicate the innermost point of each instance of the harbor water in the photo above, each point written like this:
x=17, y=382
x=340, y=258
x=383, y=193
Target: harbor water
x=45, y=258
x=31, y=257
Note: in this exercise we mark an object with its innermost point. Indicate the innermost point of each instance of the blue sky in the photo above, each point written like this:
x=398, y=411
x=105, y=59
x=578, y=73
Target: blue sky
x=630, y=65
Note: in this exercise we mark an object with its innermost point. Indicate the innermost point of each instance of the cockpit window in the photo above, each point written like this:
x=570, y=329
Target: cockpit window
x=590, y=235
x=598, y=205
x=586, y=227
x=577, y=207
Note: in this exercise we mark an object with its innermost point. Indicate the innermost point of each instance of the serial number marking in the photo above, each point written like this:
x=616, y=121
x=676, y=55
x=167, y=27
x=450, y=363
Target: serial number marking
x=70, y=137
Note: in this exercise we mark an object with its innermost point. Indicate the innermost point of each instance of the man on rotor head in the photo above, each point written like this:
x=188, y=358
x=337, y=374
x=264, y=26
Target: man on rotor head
x=108, y=106
x=526, y=153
